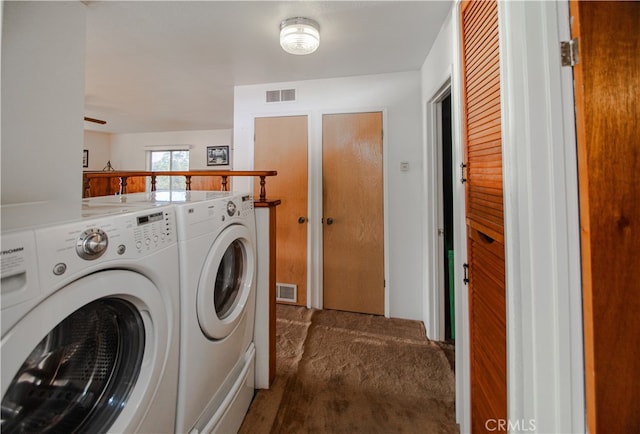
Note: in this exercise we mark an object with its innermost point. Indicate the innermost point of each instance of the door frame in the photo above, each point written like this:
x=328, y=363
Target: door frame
x=542, y=236
x=315, y=204
x=435, y=301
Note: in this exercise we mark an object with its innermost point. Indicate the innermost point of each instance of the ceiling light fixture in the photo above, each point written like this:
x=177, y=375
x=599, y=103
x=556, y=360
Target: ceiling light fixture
x=299, y=35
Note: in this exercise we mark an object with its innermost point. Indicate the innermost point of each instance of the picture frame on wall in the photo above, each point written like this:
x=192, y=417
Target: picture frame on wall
x=85, y=158
x=218, y=155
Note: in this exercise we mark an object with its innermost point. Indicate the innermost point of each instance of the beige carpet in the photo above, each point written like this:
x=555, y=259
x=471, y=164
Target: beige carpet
x=340, y=372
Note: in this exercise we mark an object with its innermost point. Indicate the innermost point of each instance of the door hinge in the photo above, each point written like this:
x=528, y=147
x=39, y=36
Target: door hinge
x=569, y=52
x=463, y=173
x=466, y=273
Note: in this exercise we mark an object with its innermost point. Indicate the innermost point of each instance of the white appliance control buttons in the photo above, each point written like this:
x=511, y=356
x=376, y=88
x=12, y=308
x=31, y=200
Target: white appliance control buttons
x=92, y=244
x=59, y=269
x=152, y=231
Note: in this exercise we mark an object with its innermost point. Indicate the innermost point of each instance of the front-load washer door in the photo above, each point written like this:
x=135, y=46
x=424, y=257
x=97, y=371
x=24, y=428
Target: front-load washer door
x=85, y=359
x=226, y=282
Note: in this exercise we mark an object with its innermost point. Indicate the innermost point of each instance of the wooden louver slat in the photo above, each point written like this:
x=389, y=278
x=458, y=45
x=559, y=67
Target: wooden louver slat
x=482, y=100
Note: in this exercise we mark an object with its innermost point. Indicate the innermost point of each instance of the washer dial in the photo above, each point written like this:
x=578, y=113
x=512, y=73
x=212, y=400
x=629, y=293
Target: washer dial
x=92, y=244
x=231, y=208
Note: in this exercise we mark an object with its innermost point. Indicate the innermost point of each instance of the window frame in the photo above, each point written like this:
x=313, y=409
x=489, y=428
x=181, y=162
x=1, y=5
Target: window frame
x=172, y=179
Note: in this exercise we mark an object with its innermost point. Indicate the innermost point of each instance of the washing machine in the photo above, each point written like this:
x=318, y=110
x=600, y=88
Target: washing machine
x=217, y=248
x=90, y=318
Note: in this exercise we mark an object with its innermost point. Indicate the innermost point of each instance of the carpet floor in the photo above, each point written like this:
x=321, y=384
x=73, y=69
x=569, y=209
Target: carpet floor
x=341, y=372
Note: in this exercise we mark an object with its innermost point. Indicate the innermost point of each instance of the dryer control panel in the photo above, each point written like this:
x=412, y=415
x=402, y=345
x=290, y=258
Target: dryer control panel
x=247, y=203
x=209, y=216
x=239, y=205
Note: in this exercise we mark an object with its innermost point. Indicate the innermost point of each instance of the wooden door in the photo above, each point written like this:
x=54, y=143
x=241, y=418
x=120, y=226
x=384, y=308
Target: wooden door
x=353, y=231
x=607, y=90
x=281, y=144
x=484, y=213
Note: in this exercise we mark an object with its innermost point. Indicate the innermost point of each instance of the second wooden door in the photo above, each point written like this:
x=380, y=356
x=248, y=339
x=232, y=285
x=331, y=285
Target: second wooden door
x=353, y=231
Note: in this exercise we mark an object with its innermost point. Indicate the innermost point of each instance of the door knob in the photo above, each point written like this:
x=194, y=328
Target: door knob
x=329, y=221
x=301, y=220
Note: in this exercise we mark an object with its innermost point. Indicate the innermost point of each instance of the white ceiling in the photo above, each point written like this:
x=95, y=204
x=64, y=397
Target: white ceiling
x=172, y=66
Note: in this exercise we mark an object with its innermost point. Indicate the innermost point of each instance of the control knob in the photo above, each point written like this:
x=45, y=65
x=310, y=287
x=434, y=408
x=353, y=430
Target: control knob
x=231, y=208
x=92, y=244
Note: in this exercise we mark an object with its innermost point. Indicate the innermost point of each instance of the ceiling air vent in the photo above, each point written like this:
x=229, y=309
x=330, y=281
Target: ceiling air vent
x=281, y=95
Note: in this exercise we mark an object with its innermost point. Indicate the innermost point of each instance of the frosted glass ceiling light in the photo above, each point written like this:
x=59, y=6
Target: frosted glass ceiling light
x=299, y=36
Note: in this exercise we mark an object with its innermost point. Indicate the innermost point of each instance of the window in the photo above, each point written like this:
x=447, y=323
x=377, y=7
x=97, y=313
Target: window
x=169, y=161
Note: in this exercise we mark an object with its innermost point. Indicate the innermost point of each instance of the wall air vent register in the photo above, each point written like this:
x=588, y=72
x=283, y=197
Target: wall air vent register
x=283, y=95
x=286, y=292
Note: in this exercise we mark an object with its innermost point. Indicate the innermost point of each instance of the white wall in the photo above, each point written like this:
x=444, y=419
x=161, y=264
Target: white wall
x=440, y=66
x=43, y=56
x=99, y=146
x=398, y=96
x=436, y=72
x=129, y=151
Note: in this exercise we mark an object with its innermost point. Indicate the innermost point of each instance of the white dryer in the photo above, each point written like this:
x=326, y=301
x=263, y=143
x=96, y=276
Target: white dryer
x=217, y=244
x=217, y=248
x=90, y=318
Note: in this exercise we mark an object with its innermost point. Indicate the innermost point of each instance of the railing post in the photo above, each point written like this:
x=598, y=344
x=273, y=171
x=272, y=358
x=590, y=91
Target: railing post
x=123, y=185
x=86, y=186
x=263, y=189
x=225, y=187
x=153, y=182
x=188, y=181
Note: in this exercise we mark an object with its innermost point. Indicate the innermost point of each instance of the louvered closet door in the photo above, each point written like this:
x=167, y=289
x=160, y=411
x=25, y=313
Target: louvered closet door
x=484, y=214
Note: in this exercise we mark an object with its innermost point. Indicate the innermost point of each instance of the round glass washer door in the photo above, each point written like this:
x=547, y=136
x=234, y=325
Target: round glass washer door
x=226, y=282
x=75, y=361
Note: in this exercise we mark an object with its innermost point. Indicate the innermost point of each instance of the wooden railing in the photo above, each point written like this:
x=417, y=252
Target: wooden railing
x=123, y=176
